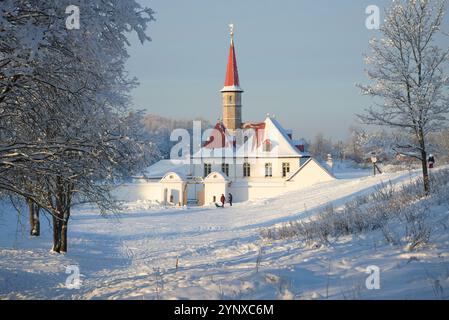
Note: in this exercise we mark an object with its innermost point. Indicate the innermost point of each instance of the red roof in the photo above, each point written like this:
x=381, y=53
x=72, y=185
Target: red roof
x=256, y=126
x=259, y=129
x=218, y=138
x=232, y=74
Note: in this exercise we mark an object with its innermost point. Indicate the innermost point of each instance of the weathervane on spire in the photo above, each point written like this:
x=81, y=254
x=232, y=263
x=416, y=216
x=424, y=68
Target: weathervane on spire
x=231, y=30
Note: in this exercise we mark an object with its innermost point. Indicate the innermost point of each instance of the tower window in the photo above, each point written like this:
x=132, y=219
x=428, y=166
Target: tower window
x=225, y=168
x=230, y=98
x=268, y=170
x=246, y=170
x=285, y=169
x=207, y=169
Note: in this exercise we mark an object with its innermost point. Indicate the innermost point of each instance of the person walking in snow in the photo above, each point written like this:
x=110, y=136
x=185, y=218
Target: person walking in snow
x=230, y=199
x=431, y=161
x=222, y=199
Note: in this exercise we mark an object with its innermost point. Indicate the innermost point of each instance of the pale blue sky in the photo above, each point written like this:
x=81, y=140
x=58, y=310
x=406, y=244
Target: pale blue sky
x=299, y=60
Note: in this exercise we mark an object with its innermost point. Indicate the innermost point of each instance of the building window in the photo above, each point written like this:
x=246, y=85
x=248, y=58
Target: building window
x=267, y=146
x=207, y=169
x=285, y=169
x=268, y=170
x=225, y=168
x=246, y=170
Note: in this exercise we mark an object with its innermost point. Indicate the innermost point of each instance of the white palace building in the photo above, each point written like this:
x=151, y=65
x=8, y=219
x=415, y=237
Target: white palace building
x=250, y=160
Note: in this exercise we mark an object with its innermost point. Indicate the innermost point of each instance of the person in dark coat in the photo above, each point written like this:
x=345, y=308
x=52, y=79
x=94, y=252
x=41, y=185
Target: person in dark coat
x=431, y=161
x=230, y=199
x=222, y=199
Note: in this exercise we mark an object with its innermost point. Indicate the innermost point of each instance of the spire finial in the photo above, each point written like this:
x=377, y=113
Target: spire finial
x=231, y=30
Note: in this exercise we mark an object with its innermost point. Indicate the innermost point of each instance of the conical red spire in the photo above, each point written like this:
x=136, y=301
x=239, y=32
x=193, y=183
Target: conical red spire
x=232, y=82
x=232, y=73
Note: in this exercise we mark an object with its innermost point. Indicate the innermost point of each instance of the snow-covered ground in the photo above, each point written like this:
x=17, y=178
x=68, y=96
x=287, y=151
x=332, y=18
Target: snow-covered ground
x=220, y=253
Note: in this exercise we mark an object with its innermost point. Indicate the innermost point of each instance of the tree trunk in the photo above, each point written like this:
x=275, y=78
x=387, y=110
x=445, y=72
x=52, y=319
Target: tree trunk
x=34, y=218
x=31, y=215
x=64, y=227
x=63, y=199
x=425, y=172
x=36, y=232
x=56, y=235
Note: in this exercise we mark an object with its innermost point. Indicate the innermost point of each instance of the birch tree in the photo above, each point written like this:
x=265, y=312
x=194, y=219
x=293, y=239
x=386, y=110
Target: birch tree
x=409, y=75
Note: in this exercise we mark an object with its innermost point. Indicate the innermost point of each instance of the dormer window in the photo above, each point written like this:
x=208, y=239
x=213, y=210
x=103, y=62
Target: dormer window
x=267, y=145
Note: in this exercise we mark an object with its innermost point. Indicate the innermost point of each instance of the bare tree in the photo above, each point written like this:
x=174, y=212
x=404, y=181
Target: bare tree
x=321, y=147
x=408, y=69
x=354, y=146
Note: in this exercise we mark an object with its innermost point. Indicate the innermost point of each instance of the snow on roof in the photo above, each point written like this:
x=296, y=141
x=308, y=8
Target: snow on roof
x=297, y=142
x=285, y=143
x=216, y=176
x=160, y=169
x=305, y=164
x=300, y=145
x=174, y=176
x=223, y=144
x=232, y=89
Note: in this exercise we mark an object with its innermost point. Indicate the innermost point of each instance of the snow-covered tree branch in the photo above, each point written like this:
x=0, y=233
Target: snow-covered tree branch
x=66, y=134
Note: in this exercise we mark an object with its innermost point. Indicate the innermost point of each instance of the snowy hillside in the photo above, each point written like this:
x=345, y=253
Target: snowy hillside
x=220, y=252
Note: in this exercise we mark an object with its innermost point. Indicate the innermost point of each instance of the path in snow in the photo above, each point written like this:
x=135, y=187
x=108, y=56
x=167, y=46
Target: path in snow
x=134, y=255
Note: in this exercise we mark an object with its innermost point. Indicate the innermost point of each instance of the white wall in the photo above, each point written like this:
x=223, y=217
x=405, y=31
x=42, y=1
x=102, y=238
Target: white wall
x=309, y=175
x=150, y=191
x=215, y=185
x=175, y=192
x=242, y=189
x=213, y=189
x=252, y=190
x=257, y=167
x=139, y=191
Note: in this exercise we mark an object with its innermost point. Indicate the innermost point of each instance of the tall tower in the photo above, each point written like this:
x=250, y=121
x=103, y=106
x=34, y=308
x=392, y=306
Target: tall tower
x=232, y=93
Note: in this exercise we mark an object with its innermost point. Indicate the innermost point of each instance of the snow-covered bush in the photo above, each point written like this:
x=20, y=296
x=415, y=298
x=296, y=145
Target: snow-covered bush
x=417, y=228
x=387, y=207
